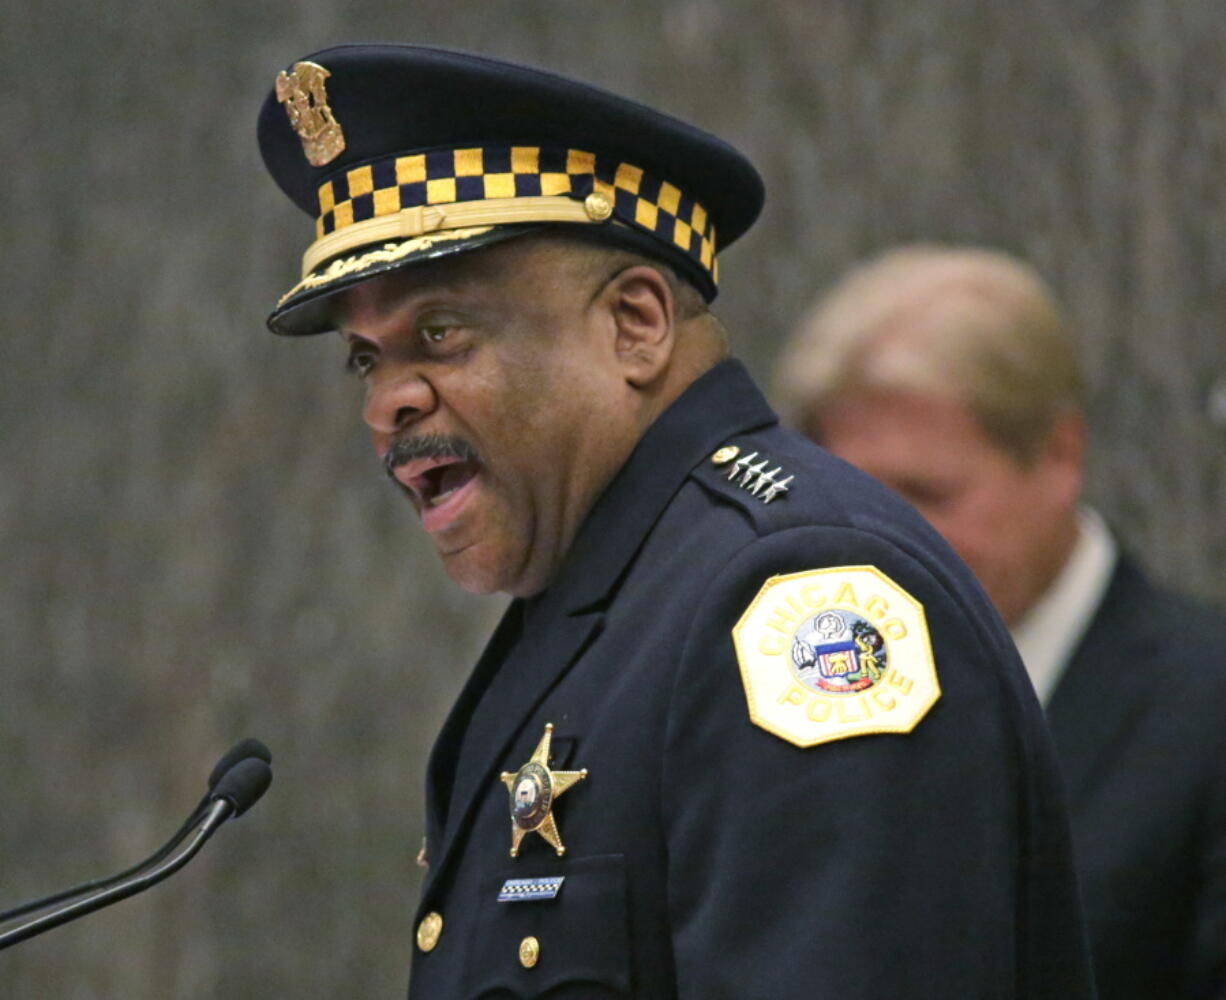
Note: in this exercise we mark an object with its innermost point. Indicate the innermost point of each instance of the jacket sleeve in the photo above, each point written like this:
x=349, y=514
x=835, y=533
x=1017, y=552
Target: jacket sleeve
x=1208, y=973
x=886, y=864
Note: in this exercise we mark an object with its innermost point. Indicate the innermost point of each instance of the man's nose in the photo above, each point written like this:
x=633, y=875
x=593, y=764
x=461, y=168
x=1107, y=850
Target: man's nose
x=395, y=401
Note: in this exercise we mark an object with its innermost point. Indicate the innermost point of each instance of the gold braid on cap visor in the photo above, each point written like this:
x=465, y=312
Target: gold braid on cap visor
x=432, y=197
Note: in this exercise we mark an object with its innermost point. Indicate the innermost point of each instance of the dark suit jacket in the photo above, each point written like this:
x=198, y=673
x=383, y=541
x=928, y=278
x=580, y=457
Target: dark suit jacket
x=1139, y=720
x=706, y=857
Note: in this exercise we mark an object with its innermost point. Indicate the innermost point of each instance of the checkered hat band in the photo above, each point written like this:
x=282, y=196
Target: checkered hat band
x=476, y=174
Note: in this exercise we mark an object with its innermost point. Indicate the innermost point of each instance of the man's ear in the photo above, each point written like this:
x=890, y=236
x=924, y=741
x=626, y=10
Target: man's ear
x=1065, y=456
x=641, y=306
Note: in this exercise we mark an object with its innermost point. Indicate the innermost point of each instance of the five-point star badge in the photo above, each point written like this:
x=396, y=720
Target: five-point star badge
x=533, y=789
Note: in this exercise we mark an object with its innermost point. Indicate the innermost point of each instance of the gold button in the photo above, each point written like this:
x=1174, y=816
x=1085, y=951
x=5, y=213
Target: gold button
x=598, y=206
x=428, y=931
x=725, y=455
x=529, y=952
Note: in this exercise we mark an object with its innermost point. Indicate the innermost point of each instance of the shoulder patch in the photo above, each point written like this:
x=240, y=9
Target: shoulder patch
x=832, y=653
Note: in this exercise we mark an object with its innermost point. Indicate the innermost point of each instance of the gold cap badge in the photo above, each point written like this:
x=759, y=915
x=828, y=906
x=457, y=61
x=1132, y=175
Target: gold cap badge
x=305, y=98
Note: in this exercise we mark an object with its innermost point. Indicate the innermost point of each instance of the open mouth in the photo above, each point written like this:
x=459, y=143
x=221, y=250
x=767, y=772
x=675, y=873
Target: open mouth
x=433, y=481
x=441, y=482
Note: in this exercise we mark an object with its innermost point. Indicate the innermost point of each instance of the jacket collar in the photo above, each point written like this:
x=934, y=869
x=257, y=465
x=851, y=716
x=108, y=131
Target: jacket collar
x=721, y=403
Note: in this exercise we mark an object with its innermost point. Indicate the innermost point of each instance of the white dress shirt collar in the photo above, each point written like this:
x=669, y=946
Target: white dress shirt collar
x=1051, y=630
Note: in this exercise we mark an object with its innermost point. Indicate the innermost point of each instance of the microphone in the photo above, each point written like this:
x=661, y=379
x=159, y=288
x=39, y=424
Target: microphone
x=239, y=752
x=237, y=781
x=240, y=788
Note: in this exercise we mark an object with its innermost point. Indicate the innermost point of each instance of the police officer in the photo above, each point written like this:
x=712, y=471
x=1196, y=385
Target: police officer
x=748, y=728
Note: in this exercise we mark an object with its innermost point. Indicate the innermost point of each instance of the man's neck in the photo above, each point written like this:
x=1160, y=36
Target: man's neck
x=698, y=349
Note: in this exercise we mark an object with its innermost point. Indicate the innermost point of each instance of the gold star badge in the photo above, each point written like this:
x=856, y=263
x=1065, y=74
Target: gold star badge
x=533, y=789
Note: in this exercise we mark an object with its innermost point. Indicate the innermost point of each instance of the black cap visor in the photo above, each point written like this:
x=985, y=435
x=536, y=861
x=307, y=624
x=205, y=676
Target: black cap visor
x=310, y=307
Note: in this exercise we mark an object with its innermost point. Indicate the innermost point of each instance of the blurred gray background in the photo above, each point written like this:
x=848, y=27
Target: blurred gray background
x=195, y=542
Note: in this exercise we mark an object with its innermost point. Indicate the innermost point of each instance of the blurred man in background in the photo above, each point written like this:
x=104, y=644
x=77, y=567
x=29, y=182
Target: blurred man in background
x=949, y=374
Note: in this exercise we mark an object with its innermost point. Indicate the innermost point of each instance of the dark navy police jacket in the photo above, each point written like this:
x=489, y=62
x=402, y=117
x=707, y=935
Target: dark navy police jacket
x=707, y=857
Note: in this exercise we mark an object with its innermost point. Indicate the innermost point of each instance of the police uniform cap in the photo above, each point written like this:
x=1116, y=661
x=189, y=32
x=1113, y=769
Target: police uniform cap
x=422, y=152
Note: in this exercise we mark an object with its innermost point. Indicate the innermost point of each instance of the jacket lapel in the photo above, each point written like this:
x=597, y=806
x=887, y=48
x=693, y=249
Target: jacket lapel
x=559, y=624
x=1103, y=690
x=539, y=660
x=441, y=770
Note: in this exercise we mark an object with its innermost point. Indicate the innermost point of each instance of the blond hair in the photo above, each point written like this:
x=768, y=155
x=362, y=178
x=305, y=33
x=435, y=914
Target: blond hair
x=970, y=324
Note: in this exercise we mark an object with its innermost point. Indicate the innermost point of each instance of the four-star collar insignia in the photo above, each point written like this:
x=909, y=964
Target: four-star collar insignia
x=752, y=475
x=532, y=790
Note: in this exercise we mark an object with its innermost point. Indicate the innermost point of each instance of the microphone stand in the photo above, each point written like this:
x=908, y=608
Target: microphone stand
x=234, y=757
x=236, y=791
x=101, y=883
x=218, y=813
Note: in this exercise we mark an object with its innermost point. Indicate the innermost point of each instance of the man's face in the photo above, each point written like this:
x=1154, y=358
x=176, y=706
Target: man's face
x=1009, y=521
x=494, y=399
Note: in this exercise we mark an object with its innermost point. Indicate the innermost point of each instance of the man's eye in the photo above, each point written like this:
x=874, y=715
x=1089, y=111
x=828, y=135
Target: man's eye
x=361, y=363
x=435, y=333
x=926, y=496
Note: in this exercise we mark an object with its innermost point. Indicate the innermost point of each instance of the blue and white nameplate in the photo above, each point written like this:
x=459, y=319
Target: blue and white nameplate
x=518, y=890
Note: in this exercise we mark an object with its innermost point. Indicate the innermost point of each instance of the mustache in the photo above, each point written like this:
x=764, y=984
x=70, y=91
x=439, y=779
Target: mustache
x=427, y=446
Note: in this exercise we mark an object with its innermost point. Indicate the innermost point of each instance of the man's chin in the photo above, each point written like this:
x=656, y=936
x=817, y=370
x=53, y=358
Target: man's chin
x=469, y=571
x=482, y=572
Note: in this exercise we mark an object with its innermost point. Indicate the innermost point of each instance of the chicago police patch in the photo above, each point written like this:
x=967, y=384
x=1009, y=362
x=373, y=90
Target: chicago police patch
x=832, y=653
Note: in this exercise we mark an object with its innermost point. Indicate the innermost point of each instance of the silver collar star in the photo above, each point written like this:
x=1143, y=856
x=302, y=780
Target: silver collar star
x=756, y=479
x=740, y=466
